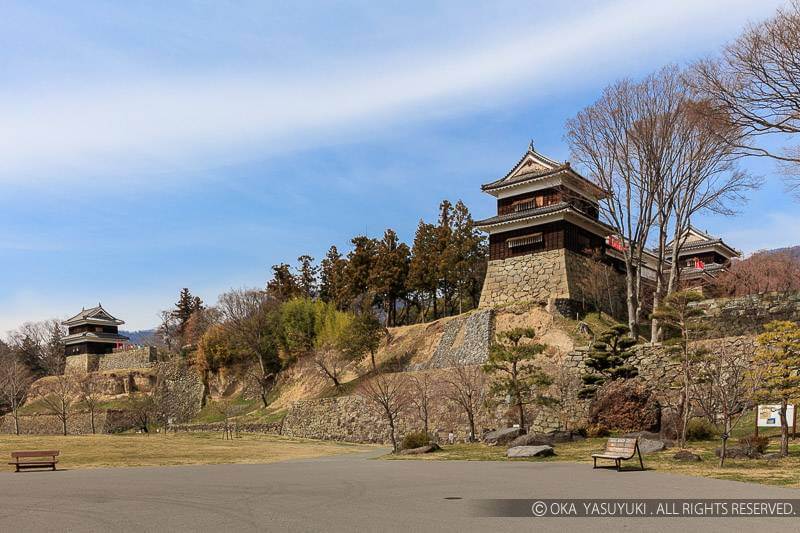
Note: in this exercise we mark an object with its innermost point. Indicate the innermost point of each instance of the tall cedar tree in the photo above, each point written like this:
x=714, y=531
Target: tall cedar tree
x=184, y=308
x=514, y=373
x=307, y=276
x=446, y=254
x=470, y=256
x=678, y=313
x=360, y=263
x=284, y=285
x=423, y=269
x=333, y=279
x=608, y=358
x=389, y=274
x=778, y=362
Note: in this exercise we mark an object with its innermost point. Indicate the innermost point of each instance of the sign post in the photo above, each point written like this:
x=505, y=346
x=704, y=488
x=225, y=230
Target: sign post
x=769, y=416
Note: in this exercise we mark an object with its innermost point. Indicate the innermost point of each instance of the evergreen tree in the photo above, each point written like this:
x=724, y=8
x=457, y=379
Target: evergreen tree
x=333, y=279
x=608, y=357
x=423, y=269
x=284, y=285
x=777, y=363
x=53, y=357
x=363, y=336
x=514, y=373
x=469, y=256
x=307, y=276
x=389, y=274
x=184, y=308
x=446, y=254
x=360, y=262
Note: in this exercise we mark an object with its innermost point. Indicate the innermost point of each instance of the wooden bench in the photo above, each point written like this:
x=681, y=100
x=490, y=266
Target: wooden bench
x=34, y=459
x=619, y=449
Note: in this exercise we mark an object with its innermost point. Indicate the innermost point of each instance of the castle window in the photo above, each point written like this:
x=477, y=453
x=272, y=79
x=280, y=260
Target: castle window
x=533, y=238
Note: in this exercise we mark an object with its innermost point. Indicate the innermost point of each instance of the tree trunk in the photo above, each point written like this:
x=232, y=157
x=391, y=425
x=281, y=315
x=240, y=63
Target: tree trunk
x=392, y=435
x=425, y=424
x=471, y=417
x=64, y=425
x=631, y=301
x=521, y=409
x=372, y=358
x=784, y=429
x=16, y=421
x=725, y=435
x=91, y=416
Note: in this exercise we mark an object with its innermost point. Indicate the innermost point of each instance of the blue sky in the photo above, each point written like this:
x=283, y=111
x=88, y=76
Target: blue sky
x=156, y=146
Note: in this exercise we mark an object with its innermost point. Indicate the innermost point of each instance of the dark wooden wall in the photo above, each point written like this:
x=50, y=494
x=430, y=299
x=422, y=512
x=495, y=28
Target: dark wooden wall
x=555, y=235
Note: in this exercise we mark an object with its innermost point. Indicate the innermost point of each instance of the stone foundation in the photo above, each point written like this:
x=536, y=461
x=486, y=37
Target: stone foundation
x=465, y=341
x=137, y=358
x=559, y=279
x=746, y=315
x=110, y=421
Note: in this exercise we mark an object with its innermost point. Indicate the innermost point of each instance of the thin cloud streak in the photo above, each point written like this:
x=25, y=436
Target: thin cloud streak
x=53, y=136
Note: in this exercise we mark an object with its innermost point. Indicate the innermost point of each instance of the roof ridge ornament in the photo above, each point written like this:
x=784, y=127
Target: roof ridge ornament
x=530, y=147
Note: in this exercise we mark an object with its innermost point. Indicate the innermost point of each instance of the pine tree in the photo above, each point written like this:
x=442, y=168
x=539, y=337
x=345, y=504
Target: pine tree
x=469, y=263
x=777, y=362
x=447, y=255
x=608, y=357
x=184, y=308
x=514, y=372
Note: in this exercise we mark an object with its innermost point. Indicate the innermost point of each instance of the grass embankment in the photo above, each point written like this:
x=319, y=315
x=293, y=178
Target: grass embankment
x=98, y=451
x=783, y=472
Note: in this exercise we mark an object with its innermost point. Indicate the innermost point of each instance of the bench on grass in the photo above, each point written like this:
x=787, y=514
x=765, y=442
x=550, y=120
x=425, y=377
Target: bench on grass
x=618, y=450
x=34, y=459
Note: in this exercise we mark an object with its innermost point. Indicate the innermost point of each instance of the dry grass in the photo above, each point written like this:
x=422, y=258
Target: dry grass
x=98, y=451
x=782, y=472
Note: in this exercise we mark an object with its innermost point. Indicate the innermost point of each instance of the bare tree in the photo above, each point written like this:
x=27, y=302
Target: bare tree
x=15, y=378
x=724, y=387
x=422, y=397
x=58, y=396
x=388, y=395
x=602, y=139
x=465, y=386
x=251, y=316
x=90, y=392
x=331, y=364
x=761, y=272
x=755, y=87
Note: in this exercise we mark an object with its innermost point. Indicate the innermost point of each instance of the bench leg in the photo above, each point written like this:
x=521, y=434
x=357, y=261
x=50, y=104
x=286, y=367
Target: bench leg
x=641, y=463
x=17, y=468
x=595, y=462
x=54, y=467
x=619, y=465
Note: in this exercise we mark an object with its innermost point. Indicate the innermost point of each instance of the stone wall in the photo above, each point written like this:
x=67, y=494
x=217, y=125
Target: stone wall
x=746, y=315
x=110, y=421
x=559, y=279
x=81, y=363
x=465, y=340
x=525, y=278
x=136, y=358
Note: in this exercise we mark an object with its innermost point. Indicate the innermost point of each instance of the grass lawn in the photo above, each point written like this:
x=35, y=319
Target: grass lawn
x=97, y=451
x=784, y=472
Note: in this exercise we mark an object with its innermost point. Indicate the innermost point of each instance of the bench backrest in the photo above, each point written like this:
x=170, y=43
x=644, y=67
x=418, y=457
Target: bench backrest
x=621, y=446
x=44, y=453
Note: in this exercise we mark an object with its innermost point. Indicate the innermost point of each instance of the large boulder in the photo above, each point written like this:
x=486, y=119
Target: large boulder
x=686, y=455
x=422, y=449
x=530, y=451
x=531, y=439
x=735, y=452
x=501, y=436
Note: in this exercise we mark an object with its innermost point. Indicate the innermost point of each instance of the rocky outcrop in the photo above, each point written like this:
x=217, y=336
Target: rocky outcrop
x=530, y=451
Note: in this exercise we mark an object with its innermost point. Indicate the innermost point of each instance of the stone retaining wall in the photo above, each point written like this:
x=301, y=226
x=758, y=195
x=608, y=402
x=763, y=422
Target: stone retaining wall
x=79, y=423
x=465, y=341
x=746, y=315
x=273, y=428
x=525, y=278
x=136, y=358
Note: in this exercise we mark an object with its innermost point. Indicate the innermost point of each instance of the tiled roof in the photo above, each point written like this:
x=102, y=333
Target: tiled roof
x=502, y=182
x=93, y=336
x=96, y=313
x=540, y=211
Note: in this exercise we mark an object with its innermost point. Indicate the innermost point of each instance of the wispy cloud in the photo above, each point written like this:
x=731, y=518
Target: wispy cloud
x=142, y=122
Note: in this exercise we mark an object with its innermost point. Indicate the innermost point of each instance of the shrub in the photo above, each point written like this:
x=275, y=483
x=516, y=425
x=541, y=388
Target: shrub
x=625, y=405
x=752, y=444
x=700, y=429
x=415, y=439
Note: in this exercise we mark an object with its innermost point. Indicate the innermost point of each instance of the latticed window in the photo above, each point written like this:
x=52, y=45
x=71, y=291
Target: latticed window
x=525, y=240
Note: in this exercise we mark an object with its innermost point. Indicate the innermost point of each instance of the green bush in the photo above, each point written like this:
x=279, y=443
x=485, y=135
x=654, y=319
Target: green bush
x=700, y=429
x=753, y=444
x=415, y=439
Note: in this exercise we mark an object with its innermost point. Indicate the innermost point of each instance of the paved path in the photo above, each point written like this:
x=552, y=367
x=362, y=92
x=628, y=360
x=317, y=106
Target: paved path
x=347, y=493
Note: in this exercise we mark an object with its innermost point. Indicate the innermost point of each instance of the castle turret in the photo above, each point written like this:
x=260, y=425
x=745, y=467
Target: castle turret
x=93, y=331
x=546, y=230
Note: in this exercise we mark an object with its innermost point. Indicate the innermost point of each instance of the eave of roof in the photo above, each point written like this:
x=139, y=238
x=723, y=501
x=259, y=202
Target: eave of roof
x=92, y=336
x=530, y=214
